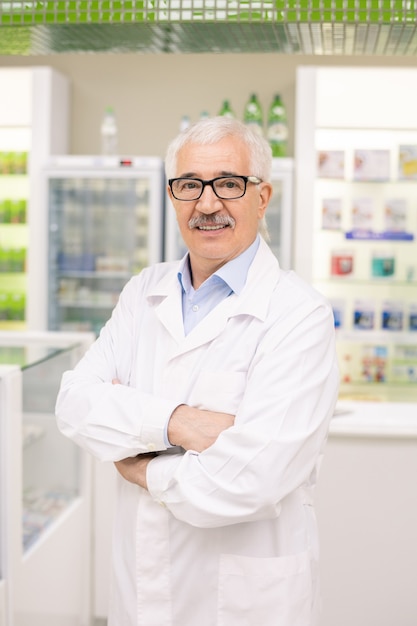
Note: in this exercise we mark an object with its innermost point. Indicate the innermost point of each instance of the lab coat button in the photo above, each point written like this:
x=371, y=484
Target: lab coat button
x=151, y=447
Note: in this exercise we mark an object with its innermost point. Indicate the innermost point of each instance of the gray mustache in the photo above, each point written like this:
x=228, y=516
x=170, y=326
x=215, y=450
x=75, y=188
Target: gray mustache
x=211, y=220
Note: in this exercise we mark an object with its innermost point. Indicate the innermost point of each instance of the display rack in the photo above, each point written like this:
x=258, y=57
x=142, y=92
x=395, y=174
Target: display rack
x=28, y=95
x=380, y=27
x=14, y=235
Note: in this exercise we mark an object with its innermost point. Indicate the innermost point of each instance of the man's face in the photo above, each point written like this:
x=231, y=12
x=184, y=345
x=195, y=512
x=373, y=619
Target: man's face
x=210, y=248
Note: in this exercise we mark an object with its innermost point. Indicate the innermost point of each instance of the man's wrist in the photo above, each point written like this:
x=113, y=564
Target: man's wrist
x=142, y=469
x=174, y=429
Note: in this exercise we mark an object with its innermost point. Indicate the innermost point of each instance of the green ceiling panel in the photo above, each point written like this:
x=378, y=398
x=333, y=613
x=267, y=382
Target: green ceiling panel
x=382, y=27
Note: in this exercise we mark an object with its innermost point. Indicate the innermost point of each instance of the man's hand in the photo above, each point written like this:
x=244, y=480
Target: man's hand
x=195, y=429
x=134, y=468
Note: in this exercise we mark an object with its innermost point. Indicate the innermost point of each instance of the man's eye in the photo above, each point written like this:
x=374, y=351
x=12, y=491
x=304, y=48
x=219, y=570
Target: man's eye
x=230, y=183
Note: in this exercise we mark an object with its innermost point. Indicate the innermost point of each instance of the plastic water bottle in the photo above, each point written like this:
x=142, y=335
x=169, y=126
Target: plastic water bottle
x=184, y=122
x=253, y=115
x=226, y=110
x=109, y=132
x=277, y=133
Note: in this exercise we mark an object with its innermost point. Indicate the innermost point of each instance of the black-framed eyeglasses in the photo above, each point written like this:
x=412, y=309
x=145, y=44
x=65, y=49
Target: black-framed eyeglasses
x=225, y=187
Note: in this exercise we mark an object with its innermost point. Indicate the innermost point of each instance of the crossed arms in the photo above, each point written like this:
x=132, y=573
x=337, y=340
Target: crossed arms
x=190, y=428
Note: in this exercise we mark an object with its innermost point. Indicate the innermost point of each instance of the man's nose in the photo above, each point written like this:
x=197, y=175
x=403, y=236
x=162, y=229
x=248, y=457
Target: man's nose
x=208, y=200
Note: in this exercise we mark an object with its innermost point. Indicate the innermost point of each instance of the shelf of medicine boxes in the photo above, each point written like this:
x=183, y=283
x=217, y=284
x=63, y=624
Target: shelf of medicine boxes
x=371, y=264
x=46, y=493
x=378, y=366
x=90, y=289
x=365, y=231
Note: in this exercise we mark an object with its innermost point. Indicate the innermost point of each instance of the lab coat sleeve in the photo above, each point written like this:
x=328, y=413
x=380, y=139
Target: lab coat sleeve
x=278, y=437
x=112, y=421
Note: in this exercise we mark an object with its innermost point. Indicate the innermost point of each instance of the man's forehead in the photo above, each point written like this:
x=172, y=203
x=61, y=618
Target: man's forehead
x=224, y=156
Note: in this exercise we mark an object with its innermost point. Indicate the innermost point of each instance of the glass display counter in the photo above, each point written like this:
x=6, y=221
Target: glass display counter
x=45, y=486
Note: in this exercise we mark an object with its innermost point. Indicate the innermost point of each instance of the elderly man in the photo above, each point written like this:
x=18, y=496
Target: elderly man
x=211, y=388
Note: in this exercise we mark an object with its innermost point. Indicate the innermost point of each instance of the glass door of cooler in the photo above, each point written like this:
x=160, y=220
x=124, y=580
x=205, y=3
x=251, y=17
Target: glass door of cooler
x=105, y=224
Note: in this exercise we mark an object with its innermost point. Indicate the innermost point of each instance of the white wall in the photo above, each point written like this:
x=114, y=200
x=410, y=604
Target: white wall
x=150, y=92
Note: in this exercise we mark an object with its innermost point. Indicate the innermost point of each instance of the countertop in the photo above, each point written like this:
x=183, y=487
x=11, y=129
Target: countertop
x=374, y=419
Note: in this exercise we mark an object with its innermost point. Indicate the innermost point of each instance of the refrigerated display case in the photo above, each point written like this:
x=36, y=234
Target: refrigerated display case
x=356, y=216
x=279, y=216
x=33, y=125
x=45, y=486
x=106, y=217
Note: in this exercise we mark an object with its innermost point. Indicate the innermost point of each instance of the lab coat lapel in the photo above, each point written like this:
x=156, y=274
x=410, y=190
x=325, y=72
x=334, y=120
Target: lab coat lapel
x=209, y=327
x=254, y=300
x=166, y=299
x=169, y=313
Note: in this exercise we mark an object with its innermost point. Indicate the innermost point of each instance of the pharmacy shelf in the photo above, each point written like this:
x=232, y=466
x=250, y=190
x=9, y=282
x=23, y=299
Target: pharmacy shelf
x=297, y=27
x=27, y=94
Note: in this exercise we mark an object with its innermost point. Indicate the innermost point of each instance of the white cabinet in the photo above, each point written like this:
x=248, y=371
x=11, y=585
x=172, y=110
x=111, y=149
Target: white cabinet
x=366, y=503
x=34, y=108
x=45, y=494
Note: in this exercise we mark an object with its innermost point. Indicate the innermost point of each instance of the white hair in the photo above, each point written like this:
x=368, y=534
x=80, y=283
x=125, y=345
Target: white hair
x=212, y=130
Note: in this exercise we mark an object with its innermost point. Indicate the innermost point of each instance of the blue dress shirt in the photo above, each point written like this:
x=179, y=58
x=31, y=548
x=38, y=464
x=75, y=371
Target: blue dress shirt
x=230, y=278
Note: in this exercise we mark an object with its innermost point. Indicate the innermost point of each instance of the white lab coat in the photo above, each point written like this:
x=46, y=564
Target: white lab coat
x=226, y=537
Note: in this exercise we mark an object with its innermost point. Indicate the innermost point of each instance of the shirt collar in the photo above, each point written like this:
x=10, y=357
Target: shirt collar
x=233, y=273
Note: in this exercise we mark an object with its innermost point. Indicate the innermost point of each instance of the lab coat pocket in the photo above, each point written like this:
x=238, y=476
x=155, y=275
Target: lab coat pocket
x=218, y=391
x=268, y=591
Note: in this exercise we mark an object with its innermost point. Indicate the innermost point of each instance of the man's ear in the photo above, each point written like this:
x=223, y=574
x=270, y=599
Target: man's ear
x=265, y=195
